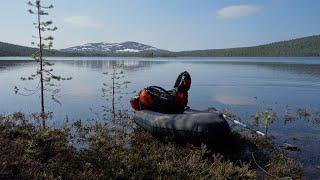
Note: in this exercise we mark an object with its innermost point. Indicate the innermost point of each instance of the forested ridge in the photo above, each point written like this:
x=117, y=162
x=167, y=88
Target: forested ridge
x=7, y=49
x=306, y=46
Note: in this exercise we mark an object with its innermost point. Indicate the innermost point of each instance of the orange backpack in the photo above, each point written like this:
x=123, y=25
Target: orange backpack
x=158, y=99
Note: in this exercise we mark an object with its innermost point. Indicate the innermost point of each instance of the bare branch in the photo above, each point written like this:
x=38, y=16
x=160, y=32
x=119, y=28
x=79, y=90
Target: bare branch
x=52, y=29
x=47, y=7
x=50, y=45
x=49, y=38
x=47, y=23
x=43, y=13
x=30, y=3
x=55, y=99
x=30, y=11
x=48, y=63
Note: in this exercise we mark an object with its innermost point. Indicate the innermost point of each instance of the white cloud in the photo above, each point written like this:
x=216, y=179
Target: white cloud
x=82, y=21
x=231, y=12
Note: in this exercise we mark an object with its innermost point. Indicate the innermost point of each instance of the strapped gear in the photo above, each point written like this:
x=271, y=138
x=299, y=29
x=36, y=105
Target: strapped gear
x=158, y=99
x=183, y=82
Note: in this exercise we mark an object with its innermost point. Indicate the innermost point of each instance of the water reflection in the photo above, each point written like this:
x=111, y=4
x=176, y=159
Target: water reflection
x=299, y=69
x=290, y=67
x=234, y=100
x=221, y=83
x=9, y=65
x=130, y=65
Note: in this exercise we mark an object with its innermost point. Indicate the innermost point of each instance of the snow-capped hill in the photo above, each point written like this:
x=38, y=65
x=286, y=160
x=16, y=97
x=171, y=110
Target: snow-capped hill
x=113, y=47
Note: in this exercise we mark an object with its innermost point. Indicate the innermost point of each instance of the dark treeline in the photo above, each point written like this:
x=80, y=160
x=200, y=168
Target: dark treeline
x=307, y=46
x=7, y=49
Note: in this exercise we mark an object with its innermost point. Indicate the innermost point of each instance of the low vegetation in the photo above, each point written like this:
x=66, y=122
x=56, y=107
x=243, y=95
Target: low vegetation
x=100, y=151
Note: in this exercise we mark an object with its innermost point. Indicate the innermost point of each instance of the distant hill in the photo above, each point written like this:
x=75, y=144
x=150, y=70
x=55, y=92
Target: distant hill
x=306, y=46
x=7, y=49
x=128, y=46
x=93, y=49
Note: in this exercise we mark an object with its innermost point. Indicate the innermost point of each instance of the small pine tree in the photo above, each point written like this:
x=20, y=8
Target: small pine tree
x=116, y=89
x=44, y=71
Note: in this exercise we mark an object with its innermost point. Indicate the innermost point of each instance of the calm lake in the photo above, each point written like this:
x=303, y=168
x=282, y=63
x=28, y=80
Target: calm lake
x=242, y=85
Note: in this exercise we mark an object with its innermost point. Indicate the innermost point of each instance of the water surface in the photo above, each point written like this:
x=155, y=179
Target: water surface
x=243, y=85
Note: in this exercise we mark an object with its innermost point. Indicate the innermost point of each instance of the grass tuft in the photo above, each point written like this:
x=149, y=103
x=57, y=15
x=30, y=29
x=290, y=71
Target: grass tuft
x=99, y=151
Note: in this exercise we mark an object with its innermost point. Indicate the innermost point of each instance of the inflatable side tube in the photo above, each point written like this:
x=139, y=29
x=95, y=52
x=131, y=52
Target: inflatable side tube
x=192, y=124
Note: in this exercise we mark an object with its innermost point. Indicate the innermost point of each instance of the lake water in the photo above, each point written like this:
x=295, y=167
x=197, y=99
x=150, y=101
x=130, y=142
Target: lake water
x=243, y=85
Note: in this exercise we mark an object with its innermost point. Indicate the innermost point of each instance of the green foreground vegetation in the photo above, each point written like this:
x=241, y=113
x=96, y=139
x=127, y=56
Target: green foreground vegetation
x=97, y=151
x=306, y=46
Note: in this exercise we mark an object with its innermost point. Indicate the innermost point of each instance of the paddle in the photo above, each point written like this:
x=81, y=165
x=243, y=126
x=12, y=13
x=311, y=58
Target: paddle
x=243, y=125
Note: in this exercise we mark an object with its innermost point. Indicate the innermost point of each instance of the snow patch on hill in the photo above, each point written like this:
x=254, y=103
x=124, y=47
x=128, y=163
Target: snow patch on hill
x=113, y=47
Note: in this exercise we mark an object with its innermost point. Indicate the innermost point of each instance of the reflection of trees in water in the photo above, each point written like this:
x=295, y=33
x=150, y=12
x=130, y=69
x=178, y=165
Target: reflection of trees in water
x=129, y=65
x=10, y=64
x=294, y=68
x=306, y=69
x=135, y=65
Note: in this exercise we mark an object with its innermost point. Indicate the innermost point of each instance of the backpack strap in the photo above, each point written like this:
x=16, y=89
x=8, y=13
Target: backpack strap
x=183, y=82
x=158, y=91
x=158, y=87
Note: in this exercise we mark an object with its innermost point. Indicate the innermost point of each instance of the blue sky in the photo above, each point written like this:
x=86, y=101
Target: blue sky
x=167, y=24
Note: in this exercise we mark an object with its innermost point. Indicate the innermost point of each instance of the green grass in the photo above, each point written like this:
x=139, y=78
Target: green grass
x=99, y=152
